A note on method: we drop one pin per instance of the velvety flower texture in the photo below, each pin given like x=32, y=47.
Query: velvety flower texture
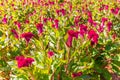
x=15, y=33
x=27, y=36
x=39, y=27
x=24, y=62
x=93, y=36
x=50, y=54
x=74, y=75
x=71, y=35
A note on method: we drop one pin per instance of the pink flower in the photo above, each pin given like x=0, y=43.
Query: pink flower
x=4, y=20
x=50, y=54
x=93, y=36
x=39, y=27
x=15, y=33
x=27, y=21
x=115, y=11
x=78, y=74
x=71, y=34
x=109, y=25
x=18, y=24
x=24, y=62
x=61, y=11
x=83, y=29
x=76, y=20
x=56, y=23
x=27, y=36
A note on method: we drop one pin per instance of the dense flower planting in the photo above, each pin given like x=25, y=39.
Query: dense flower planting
x=59, y=39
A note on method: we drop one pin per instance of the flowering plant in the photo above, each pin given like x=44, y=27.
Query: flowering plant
x=59, y=39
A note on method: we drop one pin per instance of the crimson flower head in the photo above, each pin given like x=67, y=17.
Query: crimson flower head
x=39, y=27
x=4, y=20
x=50, y=54
x=109, y=25
x=18, y=24
x=15, y=33
x=104, y=19
x=56, y=23
x=93, y=36
x=83, y=29
x=24, y=62
x=115, y=11
x=27, y=36
x=71, y=35
x=78, y=74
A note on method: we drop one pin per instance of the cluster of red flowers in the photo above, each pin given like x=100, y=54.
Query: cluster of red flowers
x=24, y=62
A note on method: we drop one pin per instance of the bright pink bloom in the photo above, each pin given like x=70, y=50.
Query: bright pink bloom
x=115, y=11
x=109, y=25
x=4, y=20
x=27, y=36
x=24, y=62
x=61, y=11
x=18, y=24
x=15, y=33
x=56, y=23
x=76, y=20
x=50, y=54
x=71, y=34
x=27, y=21
x=39, y=27
x=78, y=74
x=93, y=36
x=83, y=29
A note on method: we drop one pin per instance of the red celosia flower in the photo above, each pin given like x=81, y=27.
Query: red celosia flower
x=61, y=11
x=78, y=74
x=27, y=36
x=4, y=20
x=23, y=62
x=39, y=27
x=115, y=11
x=15, y=33
x=71, y=34
x=56, y=23
x=76, y=20
x=18, y=24
x=109, y=25
x=93, y=36
x=83, y=29
x=50, y=54
x=27, y=21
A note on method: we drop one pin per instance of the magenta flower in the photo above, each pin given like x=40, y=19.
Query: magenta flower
x=4, y=20
x=71, y=34
x=78, y=74
x=24, y=62
x=115, y=11
x=61, y=12
x=15, y=33
x=83, y=29
x=39, y=27
x=50, y=54
x=56, y=23
x=27, y=36
x=93, y=36
x=76, y=20
x=18, y=24
x=109, y=25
